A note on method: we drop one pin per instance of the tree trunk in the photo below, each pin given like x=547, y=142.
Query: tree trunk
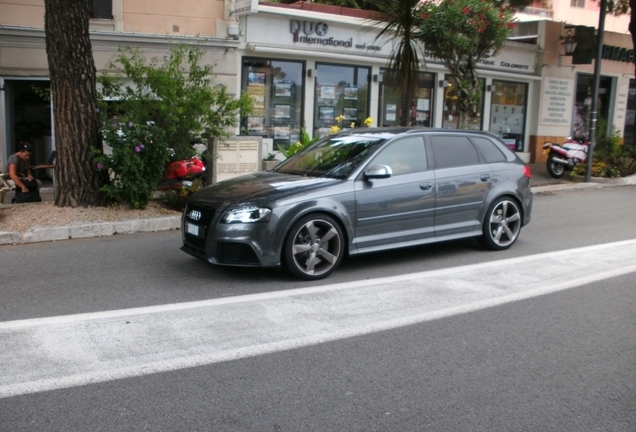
x=74, y=98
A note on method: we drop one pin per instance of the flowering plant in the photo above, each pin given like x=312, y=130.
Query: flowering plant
x=299, y=145
x=461, y=33
x=135, y=162
x=340, y=119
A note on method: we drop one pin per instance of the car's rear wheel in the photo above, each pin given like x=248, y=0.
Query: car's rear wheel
x=502, y=224
x=314, y=247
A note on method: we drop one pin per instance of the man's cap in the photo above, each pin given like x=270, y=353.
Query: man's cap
x=25, y=146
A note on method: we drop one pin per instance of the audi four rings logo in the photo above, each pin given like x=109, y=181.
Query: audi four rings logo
x=194, y=215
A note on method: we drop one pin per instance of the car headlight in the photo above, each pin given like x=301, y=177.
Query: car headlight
x=246, y=215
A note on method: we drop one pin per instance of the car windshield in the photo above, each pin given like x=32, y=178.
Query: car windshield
x=333, y=157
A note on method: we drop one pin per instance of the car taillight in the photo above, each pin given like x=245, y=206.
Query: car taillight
x=526, y=171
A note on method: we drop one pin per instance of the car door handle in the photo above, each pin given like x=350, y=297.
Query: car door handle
x=426, y=186
x=485, y=177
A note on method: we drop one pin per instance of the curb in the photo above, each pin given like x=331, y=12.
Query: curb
x=578, y=182
x=100, y=229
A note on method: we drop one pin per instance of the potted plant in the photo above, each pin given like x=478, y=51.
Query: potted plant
x=270, y=162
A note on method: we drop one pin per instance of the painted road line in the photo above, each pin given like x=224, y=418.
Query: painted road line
x=60, y=352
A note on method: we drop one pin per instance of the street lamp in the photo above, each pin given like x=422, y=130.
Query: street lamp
x=568, y=42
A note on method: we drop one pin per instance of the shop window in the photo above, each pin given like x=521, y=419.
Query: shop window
x=508, y=112
x=340, y=91
x=390, y=109
x=583, y=103
x=451, y=113
x=102, y=9
x=630, y=115
x=276, y=88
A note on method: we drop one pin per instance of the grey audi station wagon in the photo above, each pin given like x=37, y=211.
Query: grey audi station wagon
x=361, y=191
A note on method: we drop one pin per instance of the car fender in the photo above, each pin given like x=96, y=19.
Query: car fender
x=503, y=183
x=340, y=210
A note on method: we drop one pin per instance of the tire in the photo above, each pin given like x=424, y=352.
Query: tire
x=502, y=224
x=314, y=247
x=554, y=169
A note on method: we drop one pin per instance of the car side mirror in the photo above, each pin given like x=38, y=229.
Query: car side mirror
x=378, y=172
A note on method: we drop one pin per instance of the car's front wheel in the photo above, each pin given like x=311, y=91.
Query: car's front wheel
x=314, y=247
x=502, y=224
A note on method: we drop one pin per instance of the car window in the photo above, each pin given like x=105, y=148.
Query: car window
x=453, y=150
x=489, y=150
x=334, y=156
x=404, y=156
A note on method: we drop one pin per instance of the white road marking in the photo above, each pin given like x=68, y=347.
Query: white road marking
x=59, y=352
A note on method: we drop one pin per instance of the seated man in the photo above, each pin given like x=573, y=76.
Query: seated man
x=19, y=167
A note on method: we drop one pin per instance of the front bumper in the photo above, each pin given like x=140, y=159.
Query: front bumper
x=239, y=244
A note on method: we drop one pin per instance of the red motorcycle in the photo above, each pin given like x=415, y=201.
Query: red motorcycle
x=564, y=157
x=181, y=173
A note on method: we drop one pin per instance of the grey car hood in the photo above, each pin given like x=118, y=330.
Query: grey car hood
x=257, y=187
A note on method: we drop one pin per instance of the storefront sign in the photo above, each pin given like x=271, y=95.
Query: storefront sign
x=244, y=7
x=303, y=32
x=507, y=60
x=618, y=54
x=621, y=102
x=557, y=101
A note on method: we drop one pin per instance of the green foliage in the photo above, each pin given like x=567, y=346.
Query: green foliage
x=607, y=144
x=599, y=169
x=160, y=105
x=178, y=94
x=400, y=25
x=299, y=145
x=43, y=93
x=135, y=163
x=178, y=199
x=611, y=158
x=461, y=33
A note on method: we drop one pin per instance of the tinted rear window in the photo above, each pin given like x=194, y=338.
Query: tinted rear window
x=453, y=150
x=489, y=150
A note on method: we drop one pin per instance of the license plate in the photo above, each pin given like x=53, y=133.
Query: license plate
x=192, y=229
x=546, y=151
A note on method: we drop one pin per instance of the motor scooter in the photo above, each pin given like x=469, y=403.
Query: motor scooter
x=564, y=157
x=181, y=173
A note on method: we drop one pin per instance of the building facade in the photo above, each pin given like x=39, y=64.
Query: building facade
x=308, y=65
x=150, y=26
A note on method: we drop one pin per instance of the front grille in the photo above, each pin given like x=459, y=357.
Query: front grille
x=206, y=215
x=204, y=221
x=236, y=253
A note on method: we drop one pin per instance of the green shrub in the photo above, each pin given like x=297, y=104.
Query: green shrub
x=136, y=162
x=299, y=145
x=600, y=168
x=178, y=199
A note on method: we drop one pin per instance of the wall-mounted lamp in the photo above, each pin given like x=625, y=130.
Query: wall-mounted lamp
x=310, y=73
x=491, y=88
x=569, y=42
x=375, y=78
x=443, y=83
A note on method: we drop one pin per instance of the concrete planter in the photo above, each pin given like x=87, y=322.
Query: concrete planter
x=268, y=165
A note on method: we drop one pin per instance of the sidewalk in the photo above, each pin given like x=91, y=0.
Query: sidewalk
x=541, y=182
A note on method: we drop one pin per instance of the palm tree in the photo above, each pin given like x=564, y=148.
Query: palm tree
x=400, y=24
